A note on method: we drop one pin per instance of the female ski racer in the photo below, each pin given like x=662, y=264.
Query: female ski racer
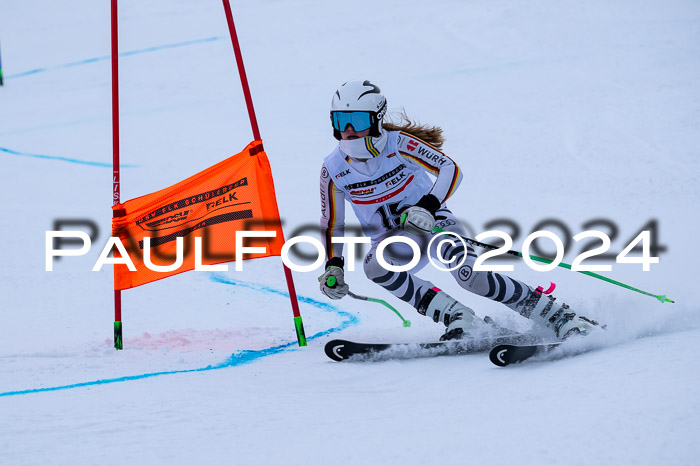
x=382, y=170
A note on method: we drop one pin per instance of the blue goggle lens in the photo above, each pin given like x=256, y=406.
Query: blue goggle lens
x=360, y=121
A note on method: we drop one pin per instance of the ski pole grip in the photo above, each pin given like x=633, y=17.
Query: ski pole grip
x=331, y=282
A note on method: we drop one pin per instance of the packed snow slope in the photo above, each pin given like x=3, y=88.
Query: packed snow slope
x=583, y=113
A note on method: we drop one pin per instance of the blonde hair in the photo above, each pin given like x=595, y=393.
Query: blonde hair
x=430, y=134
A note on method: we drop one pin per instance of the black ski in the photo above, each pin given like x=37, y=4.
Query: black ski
x=505, y=354
x=340, y=350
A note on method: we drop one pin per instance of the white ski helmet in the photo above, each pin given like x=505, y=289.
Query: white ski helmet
x=359, y=103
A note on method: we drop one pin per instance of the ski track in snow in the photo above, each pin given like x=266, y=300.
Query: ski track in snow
x=89, y=61
x=64, y=159
x=236, y=359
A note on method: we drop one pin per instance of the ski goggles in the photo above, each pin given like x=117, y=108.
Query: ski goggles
x=360, y=121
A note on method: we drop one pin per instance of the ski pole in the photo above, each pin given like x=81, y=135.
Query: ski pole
x=332, y=281
x=406, y=323
x=661, y=298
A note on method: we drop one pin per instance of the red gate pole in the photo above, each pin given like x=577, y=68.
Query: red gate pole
x=301, y=337
x=116, y=193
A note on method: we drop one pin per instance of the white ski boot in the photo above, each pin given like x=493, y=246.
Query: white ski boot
x=458, y=318
x=559, y=317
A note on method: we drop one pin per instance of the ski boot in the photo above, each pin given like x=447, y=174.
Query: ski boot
x=460, y=321
x=564, y=322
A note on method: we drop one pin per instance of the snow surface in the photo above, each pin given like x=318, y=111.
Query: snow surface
x=575, y=110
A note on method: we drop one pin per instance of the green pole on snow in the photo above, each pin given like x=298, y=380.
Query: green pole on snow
x=332, y=282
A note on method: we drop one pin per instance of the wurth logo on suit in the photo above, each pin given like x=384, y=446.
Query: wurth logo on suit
x=421, y=150
x=431, y=156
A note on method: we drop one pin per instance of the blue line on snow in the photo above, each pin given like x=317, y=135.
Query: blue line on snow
x=108, y=57
x=63, y=159
x=94, y=60
x=236, y=359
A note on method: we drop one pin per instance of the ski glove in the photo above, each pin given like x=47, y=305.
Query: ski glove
x=333, y=280
x=419, y=219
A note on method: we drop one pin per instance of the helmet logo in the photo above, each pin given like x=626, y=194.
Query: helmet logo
x=381, y=110
x=374, y=90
